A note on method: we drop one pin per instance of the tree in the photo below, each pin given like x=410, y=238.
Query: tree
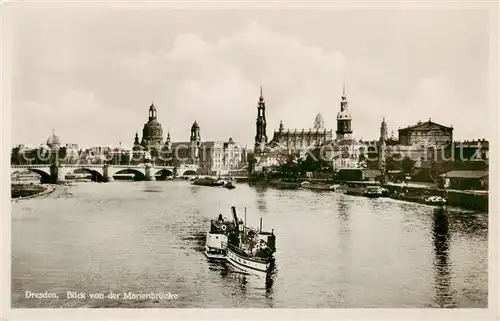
x=392, y=164
x=408, y=164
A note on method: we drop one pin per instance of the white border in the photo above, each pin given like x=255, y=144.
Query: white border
x=279, y=314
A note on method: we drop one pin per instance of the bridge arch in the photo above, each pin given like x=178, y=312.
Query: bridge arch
x=44, y=176
x=189, y=172
x=163, y=173
x=96, y=176
x=138, y=174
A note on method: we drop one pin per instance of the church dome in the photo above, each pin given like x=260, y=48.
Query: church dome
x=53, y=141
x=152, y=129
x=344, y=114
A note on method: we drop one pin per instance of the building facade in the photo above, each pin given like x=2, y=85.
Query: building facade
x=299, y=141
x=425, y=135
x=213, y=157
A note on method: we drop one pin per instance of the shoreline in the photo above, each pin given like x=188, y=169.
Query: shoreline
x=48, y=190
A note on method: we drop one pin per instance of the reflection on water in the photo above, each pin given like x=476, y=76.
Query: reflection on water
x=261, y=198
x=333, y=250
x=442, y=272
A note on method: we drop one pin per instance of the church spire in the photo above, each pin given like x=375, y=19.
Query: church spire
x=261, y=136
x=343, y=102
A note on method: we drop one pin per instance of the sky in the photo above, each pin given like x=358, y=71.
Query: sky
x=91, y=74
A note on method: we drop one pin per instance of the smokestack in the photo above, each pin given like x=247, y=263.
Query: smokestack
x=235, y=217
x=260, y=230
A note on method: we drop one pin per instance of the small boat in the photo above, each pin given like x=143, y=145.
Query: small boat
x=229, y=185
x=248, y=250
x=435, y=200
x=208, y=181
x=372, y=191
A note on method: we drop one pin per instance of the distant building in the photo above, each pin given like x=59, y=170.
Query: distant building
x=299, y=141
x=220, y=158
x=471, y=151
x=52, y=151
x=426, y=134
x=466, y=179
x=212, y=157
x=344, y=151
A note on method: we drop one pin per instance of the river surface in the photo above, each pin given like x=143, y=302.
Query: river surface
x=333, y=250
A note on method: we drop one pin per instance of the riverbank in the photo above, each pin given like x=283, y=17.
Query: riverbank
x=25, y=191
x=414, y=192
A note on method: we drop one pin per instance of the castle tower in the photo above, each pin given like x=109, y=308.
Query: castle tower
x=261, y=136
x=195, y=142
x=344, y=130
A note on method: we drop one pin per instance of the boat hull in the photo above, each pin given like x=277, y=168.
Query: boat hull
x=214, y=255
x=246, y=264
x=372, y=195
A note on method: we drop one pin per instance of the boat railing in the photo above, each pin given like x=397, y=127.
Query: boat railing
x=242, y=253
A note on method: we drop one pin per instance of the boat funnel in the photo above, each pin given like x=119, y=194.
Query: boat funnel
x=235, y=217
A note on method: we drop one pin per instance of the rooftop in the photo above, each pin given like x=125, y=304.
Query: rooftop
x=465, y=174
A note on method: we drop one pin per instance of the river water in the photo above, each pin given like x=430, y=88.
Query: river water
x=333, y=250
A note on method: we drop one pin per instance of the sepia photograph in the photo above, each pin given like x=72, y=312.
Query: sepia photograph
x=250, y=156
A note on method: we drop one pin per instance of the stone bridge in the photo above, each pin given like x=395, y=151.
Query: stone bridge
x=105, y=173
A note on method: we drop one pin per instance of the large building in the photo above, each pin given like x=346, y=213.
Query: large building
x=426, y=134
x=52, y=151
x=212, y=157
x=342, y=151
x=299, y=141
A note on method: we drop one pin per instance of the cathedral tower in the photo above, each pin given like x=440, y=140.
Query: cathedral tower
x=382, y=146
x=261, y=136
x=344, y=130
x=195, y=142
